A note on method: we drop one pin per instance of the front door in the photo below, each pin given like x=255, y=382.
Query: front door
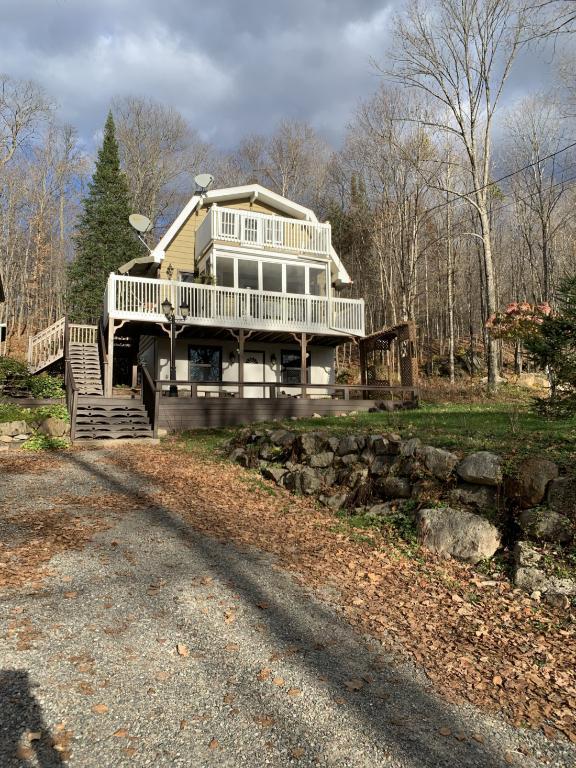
x=254, y=372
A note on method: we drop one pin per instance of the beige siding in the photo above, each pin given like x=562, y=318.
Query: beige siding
x=180, y=252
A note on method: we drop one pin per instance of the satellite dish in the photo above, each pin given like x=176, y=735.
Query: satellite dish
x=203, y=180
x=140, y=223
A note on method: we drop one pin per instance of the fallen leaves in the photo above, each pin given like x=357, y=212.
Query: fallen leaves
x=265, y=721
x=354, y=685
x=182, y=650
x=264, y=674
x=465, y=631
x=214, y=744
x=121, y=733
x=294, y=692
x=100, y=709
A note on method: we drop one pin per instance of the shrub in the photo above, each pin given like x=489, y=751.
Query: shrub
x=39, y=442
x=10, y=367
x=45, y=386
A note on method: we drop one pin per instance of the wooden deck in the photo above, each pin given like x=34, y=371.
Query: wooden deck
x=178, y=414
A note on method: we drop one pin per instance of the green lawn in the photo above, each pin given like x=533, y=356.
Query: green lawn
x=511, y=429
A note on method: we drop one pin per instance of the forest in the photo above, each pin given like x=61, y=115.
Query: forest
x=448, y=198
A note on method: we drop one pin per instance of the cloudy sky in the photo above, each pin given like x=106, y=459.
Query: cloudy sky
x=230, y=67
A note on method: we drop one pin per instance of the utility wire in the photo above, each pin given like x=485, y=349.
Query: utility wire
x=460, y=198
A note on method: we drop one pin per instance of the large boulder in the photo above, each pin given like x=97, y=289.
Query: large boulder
x=482, y=468
x=377, y=444
x=481, y=497
x=393, y=487
x=530, y=576
x=457, y=533
x=562, y=496
x=282, y=438
x=350, y=444
x=410, y=447
x=304, y=480
x=13, y=428
x=309, y=443
x=545, y=525
x=437, y=461
x=53, y=427
x=276, y=474
x=527, y=487
x=321, y=460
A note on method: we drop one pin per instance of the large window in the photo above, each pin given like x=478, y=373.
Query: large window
x=291, y=366
x=225, y=272
x=295, y=278
x=204, y=363
x=271, y=276
x=317, y=277
x=247, y=274
x=251, y=230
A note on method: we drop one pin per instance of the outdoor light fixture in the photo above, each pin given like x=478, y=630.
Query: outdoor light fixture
x=170, y=315
x=169, y=271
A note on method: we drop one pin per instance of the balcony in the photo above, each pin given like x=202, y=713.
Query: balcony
x=259, y=230
x=140, y=299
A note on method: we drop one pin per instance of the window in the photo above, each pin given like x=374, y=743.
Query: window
x=291, y=366
x=273, y=231
x=317, y=281
x=186, y=277
x=227, y=224
x=271, y=277
x=247, y=274
x=250, y=230
x=205, y=363
x=295, y=278
x=225, y=272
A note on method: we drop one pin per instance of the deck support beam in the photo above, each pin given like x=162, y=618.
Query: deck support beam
x=241, y=337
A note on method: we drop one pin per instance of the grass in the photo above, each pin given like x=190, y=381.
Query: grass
x=508, y=427
x=14, y=412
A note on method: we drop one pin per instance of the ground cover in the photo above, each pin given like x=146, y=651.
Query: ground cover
x=508, y=427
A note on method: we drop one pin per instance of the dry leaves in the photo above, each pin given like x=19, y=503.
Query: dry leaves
x=465, y=631
x=121, y=733
x=100, y=709
x=182, y=650
x=294, y=692
x=264, y=674
x=214, y=744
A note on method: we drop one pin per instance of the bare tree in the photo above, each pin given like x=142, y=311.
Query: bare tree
x=460, y=52
x=23, y=105
x=160, y=154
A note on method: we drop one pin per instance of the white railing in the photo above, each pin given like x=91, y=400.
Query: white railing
x=259, y=230
x=83, y=334
x=139, y=298
x=47, y=345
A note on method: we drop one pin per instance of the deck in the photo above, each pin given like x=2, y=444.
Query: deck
x=140, y=299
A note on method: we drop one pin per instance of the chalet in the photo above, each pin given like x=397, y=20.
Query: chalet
x=233, y=317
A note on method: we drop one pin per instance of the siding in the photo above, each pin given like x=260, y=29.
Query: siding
x=178, y=414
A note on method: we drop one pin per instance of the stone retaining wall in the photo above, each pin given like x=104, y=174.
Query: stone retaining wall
x=464, y=507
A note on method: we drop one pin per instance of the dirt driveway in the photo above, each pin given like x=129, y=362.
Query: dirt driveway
x=150, y=642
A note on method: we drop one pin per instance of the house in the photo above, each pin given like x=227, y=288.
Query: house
x=234, y=316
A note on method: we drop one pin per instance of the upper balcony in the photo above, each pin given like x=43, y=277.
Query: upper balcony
x=140, y=299
x=263, y=231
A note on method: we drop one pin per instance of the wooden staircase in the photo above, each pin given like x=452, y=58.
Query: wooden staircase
x=92, y=416
x=110, y=417
x=85, y=362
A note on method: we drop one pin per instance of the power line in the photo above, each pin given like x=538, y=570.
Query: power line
x=460, y=198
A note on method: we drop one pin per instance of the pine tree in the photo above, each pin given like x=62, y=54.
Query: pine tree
x=104, y=240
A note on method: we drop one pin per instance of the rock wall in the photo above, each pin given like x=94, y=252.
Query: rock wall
x=465, y=507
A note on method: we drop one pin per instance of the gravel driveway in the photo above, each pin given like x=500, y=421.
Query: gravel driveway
x=157, y=646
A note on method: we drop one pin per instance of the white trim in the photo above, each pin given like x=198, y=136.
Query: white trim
x=237, y=193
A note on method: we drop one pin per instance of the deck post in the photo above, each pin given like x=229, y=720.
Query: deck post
x=241, y=362
x=303, y=368
x=110, y=366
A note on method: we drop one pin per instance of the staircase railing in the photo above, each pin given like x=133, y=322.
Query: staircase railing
x=69, y=383
x=150, y=397
x=46, y=346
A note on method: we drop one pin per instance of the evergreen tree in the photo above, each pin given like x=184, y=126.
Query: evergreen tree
x=553, y=347
x=104, y=239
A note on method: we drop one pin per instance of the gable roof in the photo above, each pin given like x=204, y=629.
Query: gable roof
x=254, y=192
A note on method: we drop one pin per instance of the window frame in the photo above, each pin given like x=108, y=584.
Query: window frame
x=214, y=348
x=284, y=368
